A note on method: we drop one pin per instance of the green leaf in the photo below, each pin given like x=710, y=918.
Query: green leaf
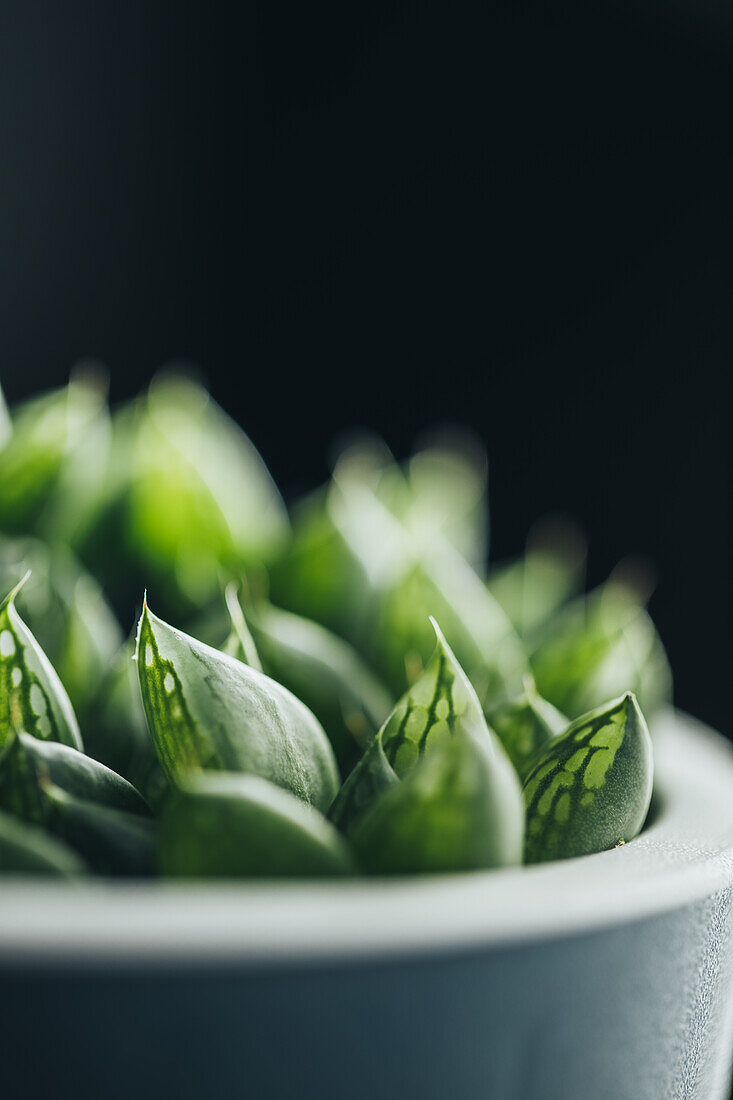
x=533, y=588
x=456, y=811
x=67, y=613
x=118, y=734
x=345, y=545
x=239, y=643
x=324, y=672
x=26, y=764
x=371, y=777
x=444, y=586
x=32, y=698
x=600, y=646
x=111, y=841
x=435, y=790
x=206, y=710
x=525, y=726
x=79, y=800
x=591, y=788
x=28, y=850
x=46, y=431
x=6, y=429
x=354, y=567
x=242, y=825
x=186, y=496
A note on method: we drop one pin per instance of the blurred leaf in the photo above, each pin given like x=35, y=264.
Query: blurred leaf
x=533, y=588
x=45, y=433
x=242, y=825
x=601, y=645
x=67, y=613
x=27, y=850
x=118, y=734
x=111, y=841
x=592, y=787
x=32, y=698
x=186, y=494
x=208, y=710
x=355, y=568
x=324, y=672
x=5, y=426
x=240, y=643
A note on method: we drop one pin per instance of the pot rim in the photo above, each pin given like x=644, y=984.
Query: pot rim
x=683, y=856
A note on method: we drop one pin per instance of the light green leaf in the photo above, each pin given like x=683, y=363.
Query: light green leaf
x=591, y=788
x=46, y=431
x=525, y=726
x=600, y=646
x=444, y=586
x=32, y=698
x=239, y=643
x=206, y=710
x=66, y=611
x=533, y=588
x=5, y=425
x=243, y=826
x=27, y=850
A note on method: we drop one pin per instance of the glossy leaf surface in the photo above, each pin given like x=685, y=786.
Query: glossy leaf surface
x=206, y=710
x=243, y=826
x=591, y=789
x=26, y=764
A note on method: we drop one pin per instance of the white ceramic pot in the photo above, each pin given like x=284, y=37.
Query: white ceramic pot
x=603, y=977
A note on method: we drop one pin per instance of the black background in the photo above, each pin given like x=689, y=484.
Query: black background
x=519, y=220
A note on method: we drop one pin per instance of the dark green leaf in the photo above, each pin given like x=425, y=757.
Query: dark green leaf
x=28, y=850
x=27, y=763
x=241, y=825
x=326, y=674
x=591, y=789
x=111, y=841
x=117, y=734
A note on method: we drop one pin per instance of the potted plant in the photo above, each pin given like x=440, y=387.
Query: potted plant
x=375, y=819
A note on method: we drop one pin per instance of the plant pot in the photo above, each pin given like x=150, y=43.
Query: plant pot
x=603, y=977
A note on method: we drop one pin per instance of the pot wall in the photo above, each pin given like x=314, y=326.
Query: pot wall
x=641, y=1012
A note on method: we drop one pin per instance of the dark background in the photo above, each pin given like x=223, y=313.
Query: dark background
x=519, y=220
